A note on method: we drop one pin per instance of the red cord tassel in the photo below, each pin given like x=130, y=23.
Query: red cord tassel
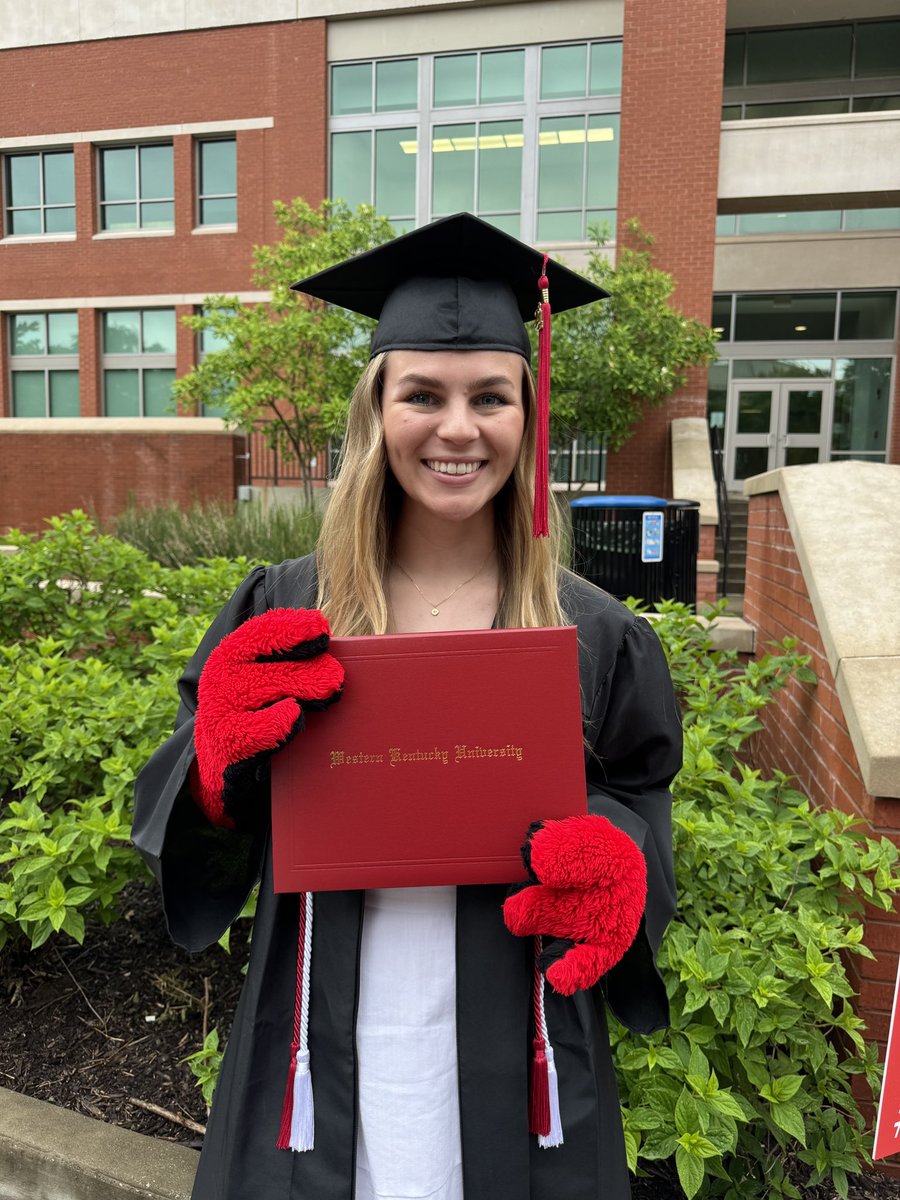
x=541, y=525
x=539, y=1099
x=287, y=1109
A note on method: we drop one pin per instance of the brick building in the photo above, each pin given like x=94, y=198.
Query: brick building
x=143, y=145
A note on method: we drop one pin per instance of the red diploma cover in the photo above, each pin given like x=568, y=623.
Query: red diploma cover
x=442, y=751
x=887, y=1126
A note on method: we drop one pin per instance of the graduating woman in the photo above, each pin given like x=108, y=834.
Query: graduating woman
x=425, y=1042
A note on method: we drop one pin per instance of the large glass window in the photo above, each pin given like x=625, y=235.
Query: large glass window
x=490, y=77
x=217, y=180
x=389, y=86
x=40, y=193
x=583, y=69
x=861, y=407
x=867, y=315
x=826, y=220
x=812, y=69
x=138, y=362
x=44, y=364
x=137, y=187
x=798, y=53
x=578, y=167
x=377, y=167
x=477, y=167
x=542, y=167
x=785, y=317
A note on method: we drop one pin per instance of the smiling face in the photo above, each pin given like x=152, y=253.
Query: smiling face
x=453, y=426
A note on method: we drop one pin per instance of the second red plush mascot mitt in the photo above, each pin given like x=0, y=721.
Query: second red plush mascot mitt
x=250, y=701
x=589, y=890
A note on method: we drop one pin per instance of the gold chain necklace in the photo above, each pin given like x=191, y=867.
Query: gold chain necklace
x=435, y=606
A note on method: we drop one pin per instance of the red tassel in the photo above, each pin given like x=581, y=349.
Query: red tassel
x=539, y=1099
x=541, y=525
x=287, y=1108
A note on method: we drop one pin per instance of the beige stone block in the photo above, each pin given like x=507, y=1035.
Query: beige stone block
x=869, y=691
x=692, y=474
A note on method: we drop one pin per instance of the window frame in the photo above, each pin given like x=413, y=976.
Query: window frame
x=849, y=88
x=140, y=361
x=529, y=111
x=102, y=205
x=200, y=195
x=42, y=207
x=44, y=363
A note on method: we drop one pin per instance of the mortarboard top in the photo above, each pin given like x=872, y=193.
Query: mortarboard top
x=457, y=284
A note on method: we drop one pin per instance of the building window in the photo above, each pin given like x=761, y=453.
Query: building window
x=487, y=77
x=44, y=364
x=812, y=69
x=138, y=362
x=825, y=220
x=208, y=341
x=137, y=187
x=526, y=137
x=578, y=175
x=389, y=86
x=40, y=193
x=581, y=70
x=217, y=179
x=377, y=167
x=806, y=317
x=477, y=168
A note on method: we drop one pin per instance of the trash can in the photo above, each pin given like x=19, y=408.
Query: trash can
x=640, y=546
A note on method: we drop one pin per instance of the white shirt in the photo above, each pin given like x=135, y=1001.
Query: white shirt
x=408, y=1143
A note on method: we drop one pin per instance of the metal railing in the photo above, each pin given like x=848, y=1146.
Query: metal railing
x=717, y=450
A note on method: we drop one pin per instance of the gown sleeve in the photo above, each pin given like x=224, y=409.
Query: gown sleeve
x=205, y=873
x=635, y=727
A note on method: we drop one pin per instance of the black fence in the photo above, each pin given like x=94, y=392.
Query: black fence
x=606, y=549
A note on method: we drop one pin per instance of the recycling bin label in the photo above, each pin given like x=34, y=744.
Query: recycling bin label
x=652, y=537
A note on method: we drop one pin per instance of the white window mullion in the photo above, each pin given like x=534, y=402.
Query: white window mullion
x=530, y=145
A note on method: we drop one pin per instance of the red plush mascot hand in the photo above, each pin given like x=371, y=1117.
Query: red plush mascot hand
x=589, y=891
x=250, y=701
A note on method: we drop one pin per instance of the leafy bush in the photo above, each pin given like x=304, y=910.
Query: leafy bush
x=177, y=537
x=750, y=1089
x=92, y=634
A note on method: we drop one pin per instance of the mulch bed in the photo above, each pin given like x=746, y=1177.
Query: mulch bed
x=95, y=1027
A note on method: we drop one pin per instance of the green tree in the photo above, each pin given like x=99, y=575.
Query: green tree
x=288, y=366
x=611, y=359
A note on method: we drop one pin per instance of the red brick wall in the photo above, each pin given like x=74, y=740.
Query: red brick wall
x=806, y=734
x=276, y=70
x=668, y=178
x=100, y=472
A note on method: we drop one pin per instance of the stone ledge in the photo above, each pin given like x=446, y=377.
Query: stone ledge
x=51, y=1153
x=842, y=519
x=107, y=425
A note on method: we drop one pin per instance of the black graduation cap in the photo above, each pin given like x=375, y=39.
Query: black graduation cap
x=457, y=284
x=461, y=284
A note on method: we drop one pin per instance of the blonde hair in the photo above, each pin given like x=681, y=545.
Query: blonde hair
x=354, y=550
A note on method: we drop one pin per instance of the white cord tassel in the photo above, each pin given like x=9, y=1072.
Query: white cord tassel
x=303, y=1113
x=555, y=1137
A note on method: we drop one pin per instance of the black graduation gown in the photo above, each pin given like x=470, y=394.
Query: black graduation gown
x=631, y=722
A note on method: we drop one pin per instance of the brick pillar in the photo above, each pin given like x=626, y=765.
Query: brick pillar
x=185, y=349
x=90, y=374
x=672, y=67
x=183, y=167
x=5, y=381
x=85, y=192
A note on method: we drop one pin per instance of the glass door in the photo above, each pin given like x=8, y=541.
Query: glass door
x=776, y=424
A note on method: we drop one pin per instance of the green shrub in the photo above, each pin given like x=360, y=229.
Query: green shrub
x=750, y=1089
x=177, y=537
x=86, y=695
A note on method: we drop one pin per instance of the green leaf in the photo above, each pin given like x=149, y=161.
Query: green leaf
x=787, y=1116
x=690, y=1171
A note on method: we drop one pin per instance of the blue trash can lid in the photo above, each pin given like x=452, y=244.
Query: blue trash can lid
x=605, y=501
